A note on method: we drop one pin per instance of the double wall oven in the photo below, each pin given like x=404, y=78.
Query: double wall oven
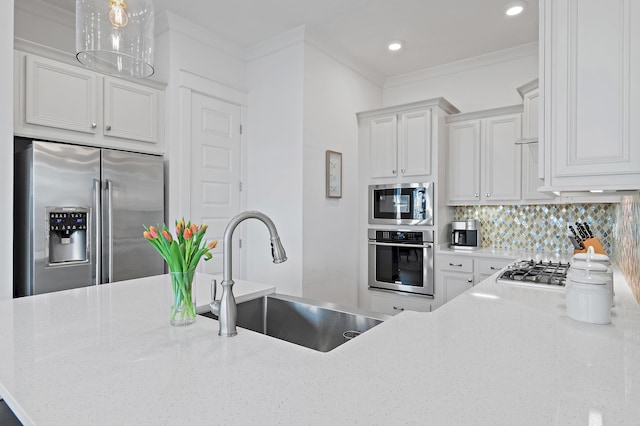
x=401, y=255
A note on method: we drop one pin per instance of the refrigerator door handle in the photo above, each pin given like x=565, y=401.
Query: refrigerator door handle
x=97, y=189
x=110, y=229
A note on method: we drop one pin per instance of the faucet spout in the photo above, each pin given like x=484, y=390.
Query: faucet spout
x=226, y=308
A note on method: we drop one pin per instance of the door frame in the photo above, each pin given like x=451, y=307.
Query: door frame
x=180, y=205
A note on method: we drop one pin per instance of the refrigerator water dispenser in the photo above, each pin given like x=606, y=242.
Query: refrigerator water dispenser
x=67, y=235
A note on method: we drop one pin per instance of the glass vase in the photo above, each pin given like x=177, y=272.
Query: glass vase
x=183, y=302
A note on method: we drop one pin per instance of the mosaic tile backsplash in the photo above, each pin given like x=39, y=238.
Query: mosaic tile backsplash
x=541, y=227
x=627, y=241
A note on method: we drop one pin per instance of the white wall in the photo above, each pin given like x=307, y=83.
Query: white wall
x=333, y=93
x=6, y=135
x=473, y=84
x=274, y=164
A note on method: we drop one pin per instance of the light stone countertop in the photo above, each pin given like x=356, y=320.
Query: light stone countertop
x=495, y=355
x=489, y=252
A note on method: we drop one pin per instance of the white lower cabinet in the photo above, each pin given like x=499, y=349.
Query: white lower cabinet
x=458, y=273
x=455, y=283
x=392, y=304
x=484, y=267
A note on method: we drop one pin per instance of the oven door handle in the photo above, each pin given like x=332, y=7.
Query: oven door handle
x=375, y=243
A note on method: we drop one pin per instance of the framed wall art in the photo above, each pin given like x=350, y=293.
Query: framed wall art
x=334, y=174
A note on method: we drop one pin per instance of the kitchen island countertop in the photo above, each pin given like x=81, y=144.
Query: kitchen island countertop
x=497, y=354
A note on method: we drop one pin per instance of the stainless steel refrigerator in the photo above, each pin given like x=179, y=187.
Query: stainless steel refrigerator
x=79, y=216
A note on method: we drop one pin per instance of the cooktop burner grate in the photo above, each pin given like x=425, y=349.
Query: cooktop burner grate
x=536, y=273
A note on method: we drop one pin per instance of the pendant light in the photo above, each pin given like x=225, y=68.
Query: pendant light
x=115, y=36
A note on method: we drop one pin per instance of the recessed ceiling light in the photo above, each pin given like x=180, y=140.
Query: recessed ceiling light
x=395, y=45
x=514, y=8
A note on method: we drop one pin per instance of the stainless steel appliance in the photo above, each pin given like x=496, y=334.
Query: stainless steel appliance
x=79, y=213
x=401, y=261
x=466, y=235
x=401, y=204
x=542, y=274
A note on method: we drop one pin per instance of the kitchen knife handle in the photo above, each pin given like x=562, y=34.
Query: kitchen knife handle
x=581, y=230
x=573, y=231
x=97, y=189
x=586, y=226
x=110, y=226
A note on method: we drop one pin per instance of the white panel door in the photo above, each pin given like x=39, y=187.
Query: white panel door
x=414, y=146
x=215, y=171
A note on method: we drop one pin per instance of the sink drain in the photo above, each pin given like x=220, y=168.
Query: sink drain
x=350, y=334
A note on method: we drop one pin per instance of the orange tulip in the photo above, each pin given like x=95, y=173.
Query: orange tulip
x=147, y=235
x=203, y=228
x=187, y=234
x=212, y=244
x=153, y=232
x=166, y=235
x=194, y=229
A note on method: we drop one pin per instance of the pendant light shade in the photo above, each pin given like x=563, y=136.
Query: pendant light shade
x=115, y=36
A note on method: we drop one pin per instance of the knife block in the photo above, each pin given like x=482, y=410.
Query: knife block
x=591, y=242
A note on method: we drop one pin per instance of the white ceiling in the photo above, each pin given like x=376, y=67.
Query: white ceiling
x=434, y=31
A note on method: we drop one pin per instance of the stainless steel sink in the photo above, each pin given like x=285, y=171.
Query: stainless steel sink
x=317, y=325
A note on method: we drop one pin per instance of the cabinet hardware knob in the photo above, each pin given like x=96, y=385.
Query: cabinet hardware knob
x=403, y=170
x=108, y=128
x=470, y=280
x=394, y=171
x=459, y=265
x=398, y=309
x=476, y=195
x=487, y=194
x=94, y=125
x=493, y=268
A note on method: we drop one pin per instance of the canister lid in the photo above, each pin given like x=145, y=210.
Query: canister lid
x=590, y=266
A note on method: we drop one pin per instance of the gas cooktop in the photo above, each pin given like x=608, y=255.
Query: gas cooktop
x=550, y=275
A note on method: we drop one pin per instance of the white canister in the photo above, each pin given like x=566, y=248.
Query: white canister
x=588, y=299
x=599, y=270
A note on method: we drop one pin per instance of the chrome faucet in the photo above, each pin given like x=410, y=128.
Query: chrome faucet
x=226, y=308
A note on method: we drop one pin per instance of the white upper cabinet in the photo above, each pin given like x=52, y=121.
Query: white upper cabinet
x=401, y=144
x=383, y=158
x=484, y=157
x=61, y=96
x=401, y=139
x=130, y=110
x=590, y=76
x=531, y=163
x=59, y=101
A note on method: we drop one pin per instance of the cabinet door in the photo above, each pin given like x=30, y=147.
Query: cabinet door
x=414, y=145
x=530, y=180
x=464, y=162
x=454, y=284
x=592, y=93
x=383, y=154
x=60, y=96
x=501, y=168
x=130, y=110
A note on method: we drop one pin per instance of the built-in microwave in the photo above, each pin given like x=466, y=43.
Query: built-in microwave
x=401, y=204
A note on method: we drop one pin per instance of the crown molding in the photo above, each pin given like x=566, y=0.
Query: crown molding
x=276, y=43
x=170, y=22
x=522, y=51
x=47, y=11
x=310, y=36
